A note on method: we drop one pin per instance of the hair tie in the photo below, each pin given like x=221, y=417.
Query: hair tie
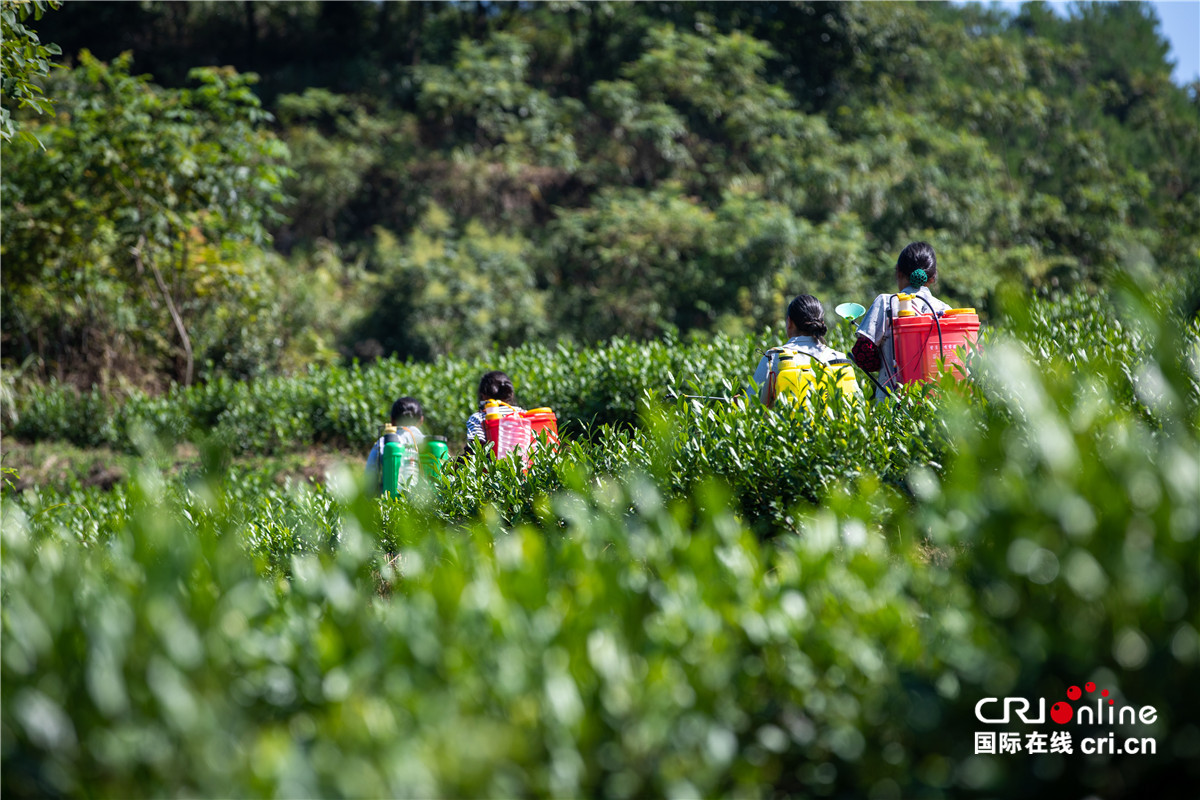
x=918, y=278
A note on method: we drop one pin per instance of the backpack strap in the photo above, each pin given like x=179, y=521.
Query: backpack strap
x=379, y=465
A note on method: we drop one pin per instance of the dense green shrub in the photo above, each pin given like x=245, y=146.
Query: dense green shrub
x=586, y=386
x=346, y=405
x=134, y=233
x=611, y=624
x=462, y=177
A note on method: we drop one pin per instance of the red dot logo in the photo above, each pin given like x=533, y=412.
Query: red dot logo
x=1073, y=693
x=1089, y=687
x=1061, y=713
x=1104, y=693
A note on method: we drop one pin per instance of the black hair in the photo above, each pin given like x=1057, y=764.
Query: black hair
x=808, y=316
x=918, y=255
x=496, y=385
x=407, y=409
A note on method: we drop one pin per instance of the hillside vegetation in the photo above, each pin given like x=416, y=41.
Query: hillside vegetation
x=333, y=180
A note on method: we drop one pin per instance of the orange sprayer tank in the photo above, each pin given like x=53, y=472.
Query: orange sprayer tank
x=507, y=429
x=544, y=424
x=915, y=340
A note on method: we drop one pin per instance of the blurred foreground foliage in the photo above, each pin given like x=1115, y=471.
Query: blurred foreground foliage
x=715, y=602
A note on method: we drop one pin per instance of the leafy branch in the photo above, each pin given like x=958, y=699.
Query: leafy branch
x=25, y=59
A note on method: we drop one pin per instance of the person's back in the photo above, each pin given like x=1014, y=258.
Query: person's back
x=805, y=326
x=493, y=385
x=874, y=351
x=406, y=417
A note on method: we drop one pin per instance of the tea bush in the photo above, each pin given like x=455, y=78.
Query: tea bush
x=336, y=405
x=346, y=405
x=715, y=602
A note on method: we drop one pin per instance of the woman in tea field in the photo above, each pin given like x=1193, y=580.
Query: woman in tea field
x=806, y=330
x=916, y=271
x=493, y=385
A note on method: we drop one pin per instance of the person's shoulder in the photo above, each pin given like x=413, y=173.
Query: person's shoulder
x=882, y=299
x=878, y=307
x=938, y=303
x=875, y=312
x=826, y=353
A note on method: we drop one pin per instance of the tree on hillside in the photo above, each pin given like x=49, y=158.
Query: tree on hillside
x=138, y=216
x=706, y=158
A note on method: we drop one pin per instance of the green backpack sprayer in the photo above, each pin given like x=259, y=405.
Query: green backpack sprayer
x=401, y=461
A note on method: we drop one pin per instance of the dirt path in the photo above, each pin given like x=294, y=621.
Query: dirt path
x=62, y=466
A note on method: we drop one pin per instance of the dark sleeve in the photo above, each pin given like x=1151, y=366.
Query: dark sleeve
x=866, y=354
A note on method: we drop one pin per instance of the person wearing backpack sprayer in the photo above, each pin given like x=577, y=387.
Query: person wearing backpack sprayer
x=874, y=351
x=806, y=329
x=494, y=385
x=394, y=461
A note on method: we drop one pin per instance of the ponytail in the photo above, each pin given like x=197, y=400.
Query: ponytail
x=918, y=263
x=808, y=316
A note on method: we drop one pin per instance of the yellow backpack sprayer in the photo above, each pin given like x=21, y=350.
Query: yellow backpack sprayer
x=795, y=374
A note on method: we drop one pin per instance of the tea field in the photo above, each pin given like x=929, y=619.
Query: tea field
x=690, y=598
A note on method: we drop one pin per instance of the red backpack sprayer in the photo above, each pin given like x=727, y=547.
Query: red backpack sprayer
x=923, y=342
